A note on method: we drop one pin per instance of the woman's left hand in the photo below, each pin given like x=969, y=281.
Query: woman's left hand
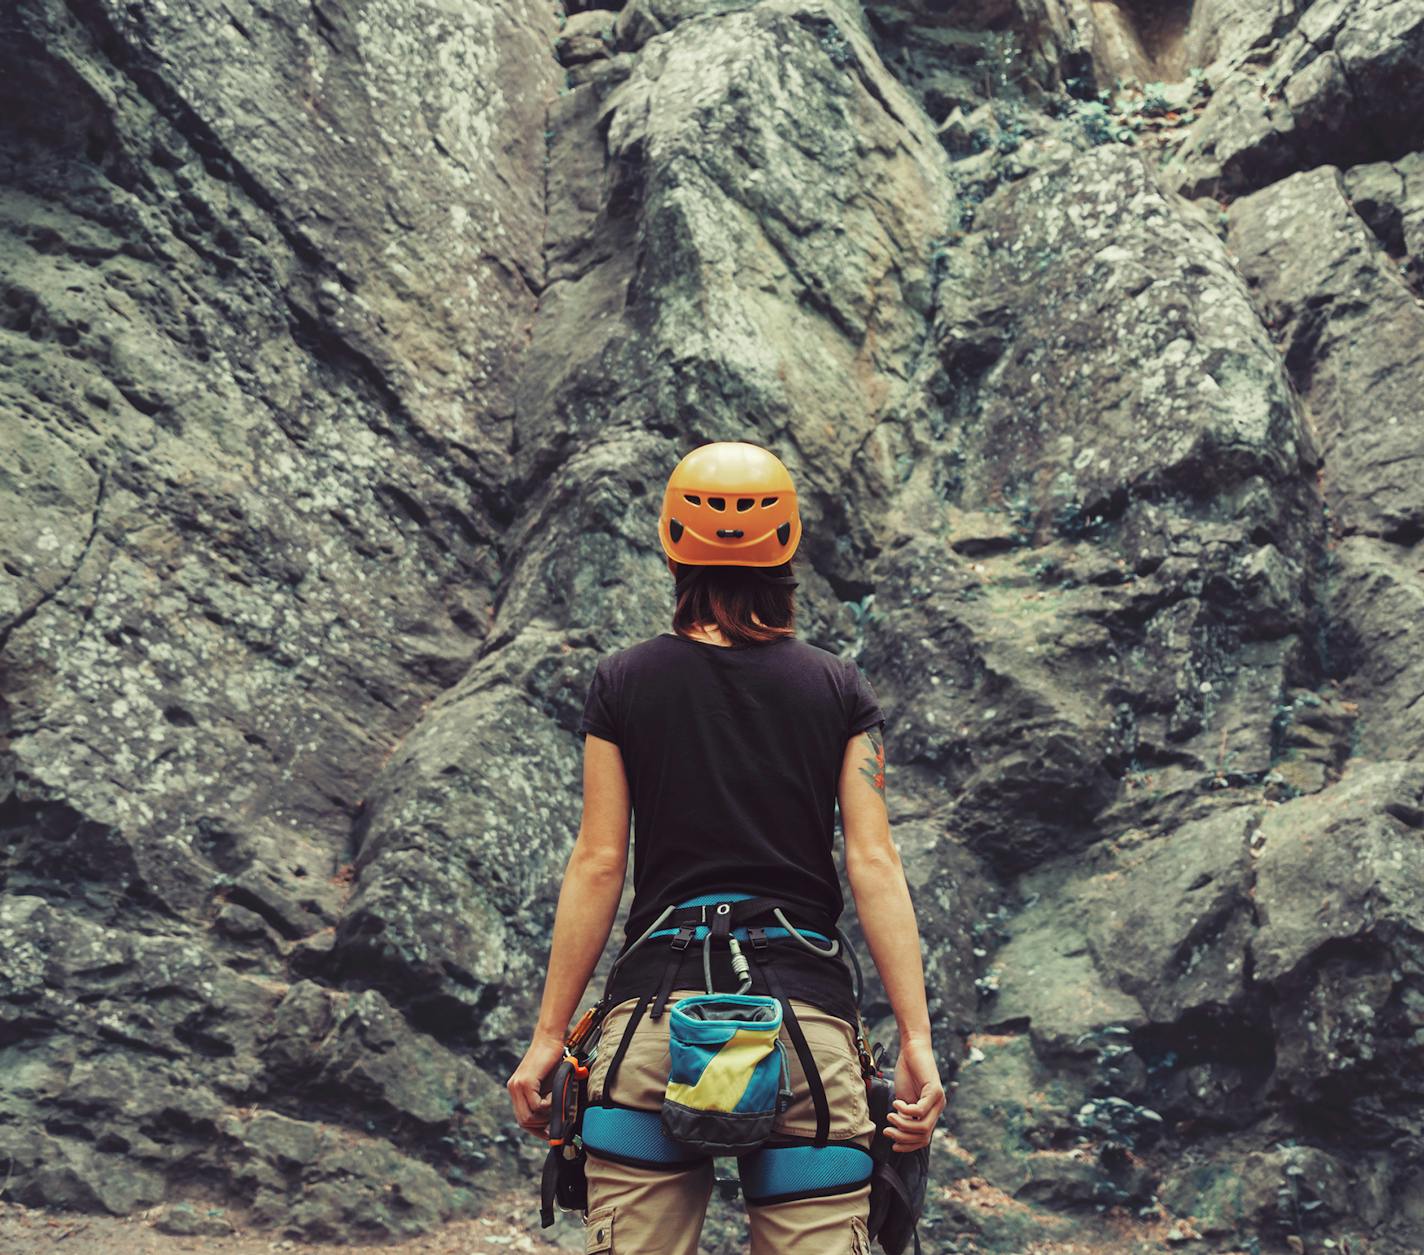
x=532, y=1108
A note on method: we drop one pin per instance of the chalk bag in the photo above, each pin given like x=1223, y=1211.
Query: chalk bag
x=728, y=1079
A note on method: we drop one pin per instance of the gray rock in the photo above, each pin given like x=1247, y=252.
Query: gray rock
x=1340, y=866
x=1004, y=1106
x=345, y=354
x=1285, y=1190
x=193, y=1220
x=314, y=1181
x=1352, y=334
x=1340, y=906
x=1376, y=641
x=1110, y=577
x=70, y=1173
x=1315, y=735
x=1168, y=920
x=1389, y=196
x=586, y=36
x=265, y=429
x=641, y=20
x=1339, y=88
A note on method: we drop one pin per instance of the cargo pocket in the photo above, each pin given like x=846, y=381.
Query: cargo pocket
x=859, y=1237
x=598, y=1227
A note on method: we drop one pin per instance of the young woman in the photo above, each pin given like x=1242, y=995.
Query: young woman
x=730, y=742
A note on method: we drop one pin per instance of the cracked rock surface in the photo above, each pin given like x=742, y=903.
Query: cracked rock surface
x=346, y=349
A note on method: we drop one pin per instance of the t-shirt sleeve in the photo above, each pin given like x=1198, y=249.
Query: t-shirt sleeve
x=600, y=708
x=865, y=709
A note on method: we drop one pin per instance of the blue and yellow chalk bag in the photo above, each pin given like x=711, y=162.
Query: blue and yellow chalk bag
x=728, y=1079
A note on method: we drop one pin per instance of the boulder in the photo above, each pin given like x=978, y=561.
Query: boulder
x=1336, y=87
x=1168, y=920
x=586, y=36
x=1290, y=1190
x=1375, y=642
x=1352, y=332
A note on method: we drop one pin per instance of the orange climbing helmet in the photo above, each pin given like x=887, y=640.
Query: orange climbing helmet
x=730, y=503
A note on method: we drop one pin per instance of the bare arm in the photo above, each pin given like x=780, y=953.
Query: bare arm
x=593, y=883
x=877, y=881
x=887, y=918
x=588, y=904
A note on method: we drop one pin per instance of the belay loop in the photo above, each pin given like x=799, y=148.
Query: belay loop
x=741, y=968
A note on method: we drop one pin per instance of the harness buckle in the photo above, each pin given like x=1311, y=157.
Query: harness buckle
x=756, y=934
x=683, y=938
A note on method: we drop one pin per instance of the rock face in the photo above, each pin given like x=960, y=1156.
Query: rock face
x=268, y=276
x=347, y=349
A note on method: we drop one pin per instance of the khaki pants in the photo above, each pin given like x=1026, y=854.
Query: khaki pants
x=659, y=1211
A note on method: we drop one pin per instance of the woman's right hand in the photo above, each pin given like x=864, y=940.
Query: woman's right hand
x=919, y=1096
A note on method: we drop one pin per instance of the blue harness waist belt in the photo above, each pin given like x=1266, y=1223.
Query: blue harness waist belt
x=776, y=1172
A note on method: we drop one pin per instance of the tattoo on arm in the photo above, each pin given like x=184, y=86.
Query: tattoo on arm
x=873, y=769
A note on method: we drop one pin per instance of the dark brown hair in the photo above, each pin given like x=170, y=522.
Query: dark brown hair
x=728, y=596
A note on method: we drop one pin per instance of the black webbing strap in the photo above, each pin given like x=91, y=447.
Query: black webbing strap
x=548, y=1186
x=721, y=922
x=623, y=1043
x=670, y=968
x=803, y=1047
x=745, y=909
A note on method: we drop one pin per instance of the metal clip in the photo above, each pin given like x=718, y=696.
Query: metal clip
x=783, y=1093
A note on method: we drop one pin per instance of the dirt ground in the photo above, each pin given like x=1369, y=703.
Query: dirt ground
x=511, y=1226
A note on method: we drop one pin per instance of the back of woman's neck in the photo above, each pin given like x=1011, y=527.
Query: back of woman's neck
x=712, y=634
x=708, y=633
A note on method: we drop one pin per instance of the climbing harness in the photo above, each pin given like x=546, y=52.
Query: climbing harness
x=729, y=1078
x=726, y=917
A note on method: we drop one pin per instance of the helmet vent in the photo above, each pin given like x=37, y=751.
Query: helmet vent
x=687, y=496
x=717, y=503
x=745, y=503
x=674, y=530
x=766, y=501
x=783, y=533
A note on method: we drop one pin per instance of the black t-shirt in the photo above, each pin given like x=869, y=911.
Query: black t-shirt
x=733, y=755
